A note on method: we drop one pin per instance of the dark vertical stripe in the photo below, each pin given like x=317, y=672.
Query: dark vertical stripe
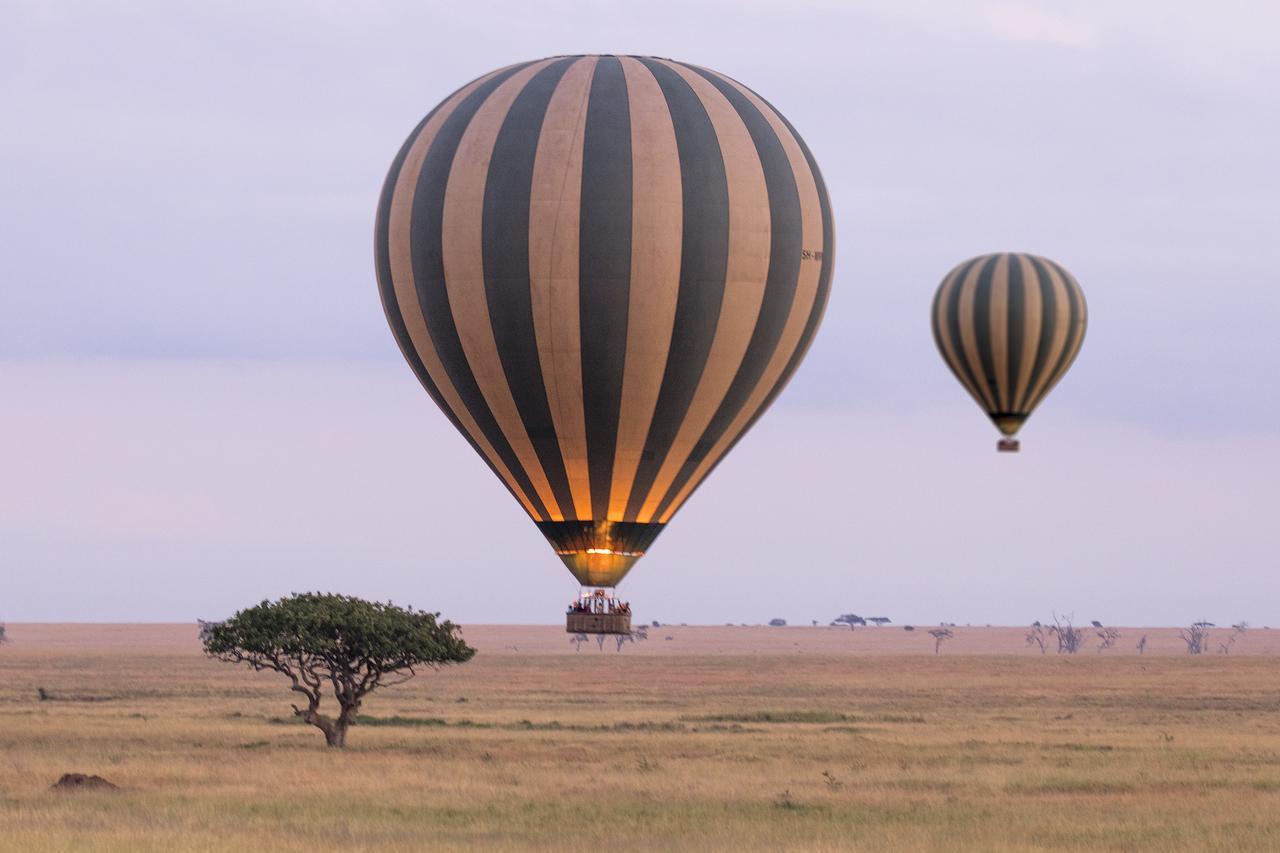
x=982, y=331
x=704, y=258
x=426, y=223
x=505, y=248
x=786, y=237
x=604, y=269
x=1049, y=316
x=1074, y=326
x=819, y=300
x=828, y=263
x=960, y=365
x=824, y=278
x=1015, y=329
x=386, y=289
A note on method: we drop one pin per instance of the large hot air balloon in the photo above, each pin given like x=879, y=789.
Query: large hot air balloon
x=1009, y=325
x=603, y=269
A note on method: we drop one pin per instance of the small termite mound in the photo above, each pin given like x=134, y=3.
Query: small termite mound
x=83, y=782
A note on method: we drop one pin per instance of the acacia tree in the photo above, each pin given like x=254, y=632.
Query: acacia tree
x=348, y=644
x=1036, y=636
x=1068, y=635
x=1237, y=631
x=1196, y=637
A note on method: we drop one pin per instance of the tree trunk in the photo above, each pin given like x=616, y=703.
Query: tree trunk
x=345, y=720
x=336, y=734
x=335, y=731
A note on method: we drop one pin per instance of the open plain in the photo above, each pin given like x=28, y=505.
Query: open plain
x=697, y=738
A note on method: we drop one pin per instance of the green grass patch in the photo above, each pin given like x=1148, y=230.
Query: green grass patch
x=819, y=717
x=519, y=726
x=1073, y=786
x=557, y=726
x=411, y=722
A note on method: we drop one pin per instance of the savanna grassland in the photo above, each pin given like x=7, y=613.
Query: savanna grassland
x=716, y=739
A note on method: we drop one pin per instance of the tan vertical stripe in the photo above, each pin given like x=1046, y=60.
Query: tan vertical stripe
x=968, y=340
x=1058, y=337
x=1032, y=318
x=657, y=211
x=401, y=262
x=801, y=306
x=554, y=206
x=748, y=268
x=998, y=319
x=464, y=273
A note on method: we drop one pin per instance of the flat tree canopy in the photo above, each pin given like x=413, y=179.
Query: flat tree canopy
x=349, y=644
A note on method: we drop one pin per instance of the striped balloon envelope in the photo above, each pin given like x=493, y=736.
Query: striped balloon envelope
x=603, y=269
x=1009, y=325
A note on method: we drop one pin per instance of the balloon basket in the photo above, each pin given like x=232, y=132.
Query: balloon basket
x=1008, y=445
x=598, y=612
x=597, y=623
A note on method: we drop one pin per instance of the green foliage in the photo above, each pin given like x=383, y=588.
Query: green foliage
x=346, y=631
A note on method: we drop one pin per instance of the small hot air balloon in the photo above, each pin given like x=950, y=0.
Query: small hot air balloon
x=603, y=269
x=1009, y=325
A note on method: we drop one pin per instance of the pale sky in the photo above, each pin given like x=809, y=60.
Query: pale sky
x=201, y=404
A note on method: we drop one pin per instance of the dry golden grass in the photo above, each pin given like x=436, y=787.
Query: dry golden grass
x=808, y=747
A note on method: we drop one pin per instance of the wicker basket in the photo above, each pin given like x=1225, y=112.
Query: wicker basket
x=598, y=623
